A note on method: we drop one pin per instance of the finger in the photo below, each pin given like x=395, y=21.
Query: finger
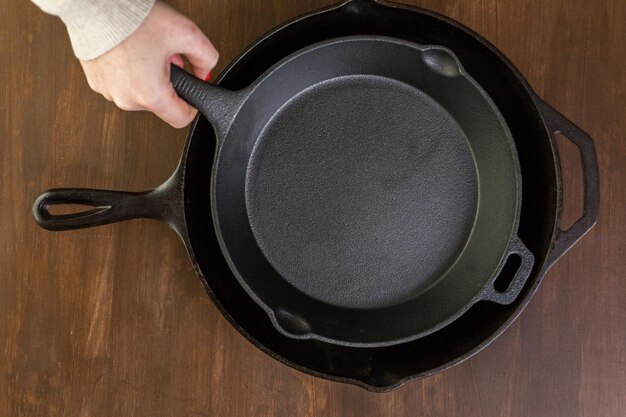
x=171, y=108
x=177, y=60
x=200, y=52
x=106, y=95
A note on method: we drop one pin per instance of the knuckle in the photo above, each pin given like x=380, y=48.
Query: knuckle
x=123, y=103
x=203, y=40
x=92, y=84
x=190, y=29
x=151, y=99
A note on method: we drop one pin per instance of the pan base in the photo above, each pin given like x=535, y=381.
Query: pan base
x=362, y=192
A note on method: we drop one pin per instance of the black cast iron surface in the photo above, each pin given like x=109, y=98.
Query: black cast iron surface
x=381, y=368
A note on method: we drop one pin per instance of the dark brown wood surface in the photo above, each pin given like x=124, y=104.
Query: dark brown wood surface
x=112, y=321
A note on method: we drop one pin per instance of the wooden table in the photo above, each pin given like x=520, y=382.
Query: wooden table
x=112, y=321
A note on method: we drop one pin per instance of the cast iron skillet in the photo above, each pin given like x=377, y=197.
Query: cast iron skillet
x=532, y=123
x=346, y=190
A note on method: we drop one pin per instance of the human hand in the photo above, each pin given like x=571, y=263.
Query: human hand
x=135, y=74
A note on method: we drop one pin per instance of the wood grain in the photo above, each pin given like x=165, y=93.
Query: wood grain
x=113, y=321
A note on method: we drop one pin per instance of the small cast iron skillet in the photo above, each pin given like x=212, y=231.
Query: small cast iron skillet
x=366, y=190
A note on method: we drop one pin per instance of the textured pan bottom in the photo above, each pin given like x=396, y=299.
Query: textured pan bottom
x=362, y=191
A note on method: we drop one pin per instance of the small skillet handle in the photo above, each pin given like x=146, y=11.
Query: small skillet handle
x=565, y=239
x=519, y=279
x=217, y=104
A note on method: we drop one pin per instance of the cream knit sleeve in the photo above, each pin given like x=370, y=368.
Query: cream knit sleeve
x=95, y=26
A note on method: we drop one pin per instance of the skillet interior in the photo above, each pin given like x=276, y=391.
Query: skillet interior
x=381, y=368
x=361, y=222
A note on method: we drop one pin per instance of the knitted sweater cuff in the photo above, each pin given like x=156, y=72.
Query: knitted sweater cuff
x=96, y=26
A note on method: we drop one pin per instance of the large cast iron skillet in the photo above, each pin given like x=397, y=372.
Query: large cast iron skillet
x=532, y=124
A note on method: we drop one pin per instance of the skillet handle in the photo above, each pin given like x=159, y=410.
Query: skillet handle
x=565, y=239
x=509, y=294
x=105, y=207
x=163, y=203
x=217, y=104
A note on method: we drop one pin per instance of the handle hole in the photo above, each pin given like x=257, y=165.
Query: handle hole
x=501, y=284
x=68, y=209
x=572, y=174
